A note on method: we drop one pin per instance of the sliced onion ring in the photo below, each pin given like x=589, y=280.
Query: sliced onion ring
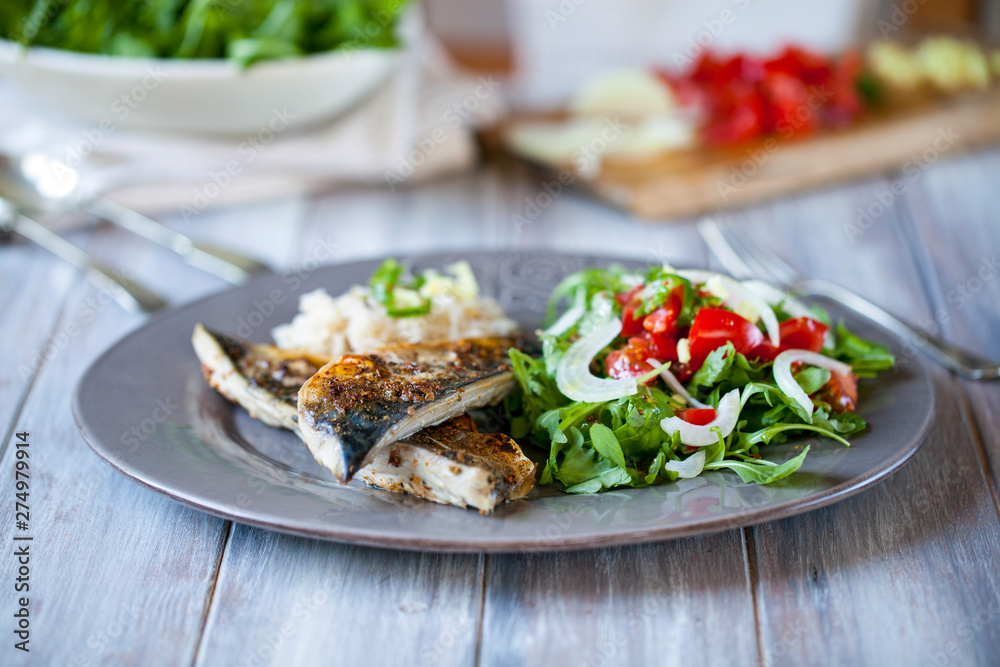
x=786, y=381
x=676, y=385
x=572, y=314
x=738, y=293
x=693, y=435
x=573, y=376
x=689, y=467
x=788, y=303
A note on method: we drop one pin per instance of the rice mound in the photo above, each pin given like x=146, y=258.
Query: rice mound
x=355, y=323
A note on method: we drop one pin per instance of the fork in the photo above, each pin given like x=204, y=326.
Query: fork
x=744, y=256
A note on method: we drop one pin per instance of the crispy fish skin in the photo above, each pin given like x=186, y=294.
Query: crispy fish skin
x=450, y=463
x=454, y=465
x=264, y=379
x=360, y=402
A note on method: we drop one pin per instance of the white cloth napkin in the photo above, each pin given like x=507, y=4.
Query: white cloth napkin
x=418, y=125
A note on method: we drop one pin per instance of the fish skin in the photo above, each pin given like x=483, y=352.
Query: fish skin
x=264, y=379
x=359, y=402
x=451, y=463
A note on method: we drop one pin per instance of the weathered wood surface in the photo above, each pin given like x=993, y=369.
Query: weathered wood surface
x=900, y=574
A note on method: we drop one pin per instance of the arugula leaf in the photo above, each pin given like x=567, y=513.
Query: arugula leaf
x=812, y=379
x=606, y=444
x=760, y=473
x=716, y=367
x=865, y=357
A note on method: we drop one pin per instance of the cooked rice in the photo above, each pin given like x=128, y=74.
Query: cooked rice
x=355, y=323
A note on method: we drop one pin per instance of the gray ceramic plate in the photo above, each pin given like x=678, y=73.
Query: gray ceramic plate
x=145, y=409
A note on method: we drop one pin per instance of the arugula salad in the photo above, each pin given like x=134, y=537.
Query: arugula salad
x=647, y=377
x=244, y=31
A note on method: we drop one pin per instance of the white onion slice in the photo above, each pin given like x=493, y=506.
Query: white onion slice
x=572, y=314
x=693, y=435
x=788, y=303
x=573, y=376
x=739, y=294
x=786, y=381
x=689, y=467
x=777, y=297
x=676, y=385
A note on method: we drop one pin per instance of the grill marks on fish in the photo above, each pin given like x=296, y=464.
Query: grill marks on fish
x=450, y=463
x=357, y=403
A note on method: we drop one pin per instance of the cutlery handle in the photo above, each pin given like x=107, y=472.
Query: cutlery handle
x=966, y=364
x=131, y=295
x=231, y=266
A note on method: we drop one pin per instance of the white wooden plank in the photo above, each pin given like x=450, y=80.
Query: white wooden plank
x=120, y=575
x=284, y=600
x=954, y=210
x=685, y=602
x=894, y=575
x=34, y=285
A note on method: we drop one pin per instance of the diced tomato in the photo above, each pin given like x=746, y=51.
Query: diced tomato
x=697, y=416
x=844, y=103
x=712, y=327
x=664, y=318
x=630, y=360
x=811, y=68
x=800, y=333
x=738, y=115
x=791, y=112
x=663, y=347
x=631, y=325
x=625, y=297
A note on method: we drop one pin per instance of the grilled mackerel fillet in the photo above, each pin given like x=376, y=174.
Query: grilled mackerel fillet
x=358, y=403
x=450, y=463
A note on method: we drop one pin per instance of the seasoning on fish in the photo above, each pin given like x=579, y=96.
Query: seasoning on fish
x=360, y=402
x=450, y=463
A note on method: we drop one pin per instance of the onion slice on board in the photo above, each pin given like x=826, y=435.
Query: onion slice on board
x=573, y=376
x=676, y=385
x=786, y=381
x=692, y=435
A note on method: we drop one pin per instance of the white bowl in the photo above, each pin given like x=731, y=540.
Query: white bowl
x=197, y=95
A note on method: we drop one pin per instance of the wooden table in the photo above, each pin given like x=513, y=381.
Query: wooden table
x=907, y=573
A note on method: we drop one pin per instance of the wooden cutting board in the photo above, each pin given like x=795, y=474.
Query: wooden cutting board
x=689, y=182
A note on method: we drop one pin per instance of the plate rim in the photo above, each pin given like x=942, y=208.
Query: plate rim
x=626, y=536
